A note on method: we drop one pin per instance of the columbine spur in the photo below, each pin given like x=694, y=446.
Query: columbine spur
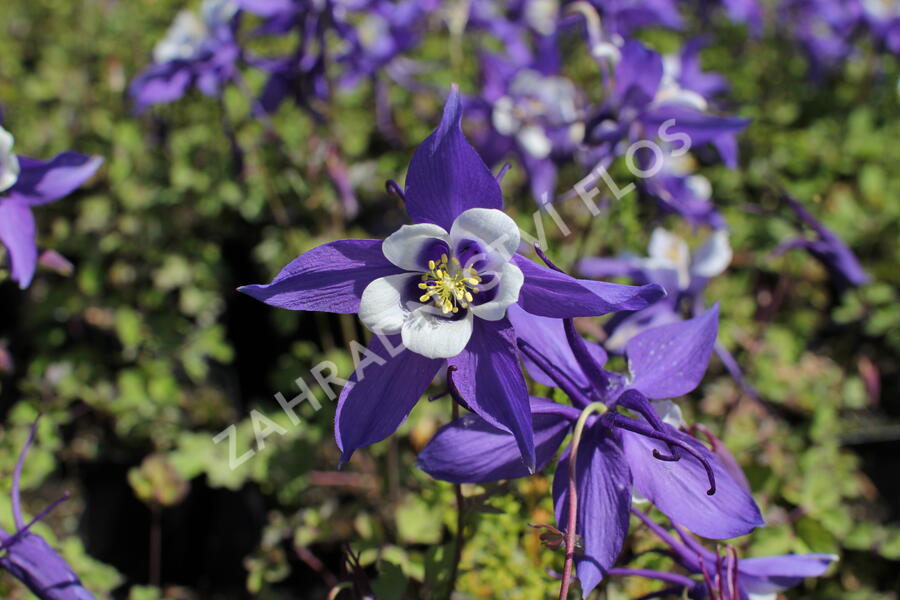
x=442, y=287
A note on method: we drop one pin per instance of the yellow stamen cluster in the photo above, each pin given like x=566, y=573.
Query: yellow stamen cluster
x=449, y=285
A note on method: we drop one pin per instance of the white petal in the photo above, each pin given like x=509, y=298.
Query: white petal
x=762, y=596
x=714, y=256
x=404, y=247
x=503, y=118
x=669, y=412
x=493, y=229
x=217, y=12
x=430, y=333
x=510, y=282
x=535, y=141
x=383, y=308
x=699, y=186
x=668, y=251
x=9, y=164
x=183, y=40
x=674, y=94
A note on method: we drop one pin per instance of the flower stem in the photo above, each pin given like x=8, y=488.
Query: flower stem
x=594, y=407
x=460, y=522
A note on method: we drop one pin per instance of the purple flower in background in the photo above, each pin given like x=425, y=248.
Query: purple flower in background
x=29, y=558
x=825, y=28
x=624, y=17
x=197, y=50
x=726, y=577
x=883, y=20
x=531, y=111
x=442, y=287
x=372, y=34
x=645, y=97
x=617, y=453
x=26, y=183
x=385, y=30
x=828, y=248
x=670, y=264
x=748, y=12
x=684, y=277
x=658, y=110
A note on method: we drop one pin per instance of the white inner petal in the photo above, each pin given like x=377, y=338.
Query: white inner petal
x=510, y=280
x=493, y=229
x=383, y=307
x=668, y=251
x=405, y=246
x=217, y=12
x=535, y=141
x=431, y=334
x=9, y=164
x=669, y=412
x=503, y=116
x=714, y=256
x=183, y=40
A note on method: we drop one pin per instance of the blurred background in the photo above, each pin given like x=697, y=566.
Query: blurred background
x=146, y=351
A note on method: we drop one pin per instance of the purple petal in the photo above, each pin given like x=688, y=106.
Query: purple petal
x=604, y=268
x=160, y=84
x=604, y=498
x=328, y=278
x=701, y=127
x=469, y=450
x=378, y=398
x=46, y=181
x=670, y=360
x=637, y=75
x=625, y=326
x=32, y=561
x=490, y=381
x=693, y=77
x=549, y=293
x=679, y=488
x=446, y=176
x=267, y=8
x=549, y=337
x=18, y=235
x=772, y=574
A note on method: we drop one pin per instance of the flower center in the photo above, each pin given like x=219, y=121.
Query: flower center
x=449, y=285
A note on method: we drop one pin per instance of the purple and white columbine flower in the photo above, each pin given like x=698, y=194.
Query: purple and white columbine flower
x=726, y=577
x=618, y=454
x=531, y=110
x=371, y=32
x=437, y=294
x=197, y=50
x=684, y=277
x=29, y=558
x=26, y=183
x=669, y=264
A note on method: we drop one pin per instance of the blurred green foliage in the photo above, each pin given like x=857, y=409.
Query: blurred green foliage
x=146, y=352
